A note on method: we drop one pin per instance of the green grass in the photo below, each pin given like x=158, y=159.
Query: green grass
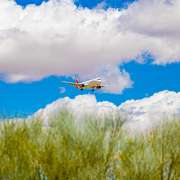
x=94, y=150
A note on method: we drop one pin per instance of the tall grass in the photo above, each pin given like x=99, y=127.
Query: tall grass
x=28, y=150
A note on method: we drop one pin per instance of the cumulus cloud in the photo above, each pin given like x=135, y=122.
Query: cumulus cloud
x=57, y=38
x=140, y=114
x=157, y=21
x=113, y=79
x=80, y=107
x=151, y=111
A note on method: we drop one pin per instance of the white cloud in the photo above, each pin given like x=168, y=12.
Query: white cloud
x=81, y=106
x=141, y=114
x=157, y=22
x=115, y=80
x=57, y=38
x=150, y=111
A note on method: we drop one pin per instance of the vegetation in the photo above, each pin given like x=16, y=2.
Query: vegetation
x=68, y=151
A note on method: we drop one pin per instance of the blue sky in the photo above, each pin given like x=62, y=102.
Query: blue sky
x=84, y=3
x=148, y=78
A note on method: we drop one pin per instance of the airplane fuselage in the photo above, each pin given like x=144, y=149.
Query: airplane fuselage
x=91, y=84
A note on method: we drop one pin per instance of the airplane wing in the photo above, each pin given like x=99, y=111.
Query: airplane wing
x=74, y=84
x=70, y=83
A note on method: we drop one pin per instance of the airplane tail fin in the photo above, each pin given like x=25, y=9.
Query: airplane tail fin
x=76, y=83
x=76, y=80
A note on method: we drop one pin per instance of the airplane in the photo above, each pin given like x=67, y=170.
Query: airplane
x=90, y=84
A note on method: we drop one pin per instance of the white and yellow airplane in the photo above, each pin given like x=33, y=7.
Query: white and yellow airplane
x=90, y=84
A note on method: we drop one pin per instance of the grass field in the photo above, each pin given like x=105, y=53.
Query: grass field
x=101, y=151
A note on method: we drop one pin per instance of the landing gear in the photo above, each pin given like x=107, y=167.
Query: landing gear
x=98, y=87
